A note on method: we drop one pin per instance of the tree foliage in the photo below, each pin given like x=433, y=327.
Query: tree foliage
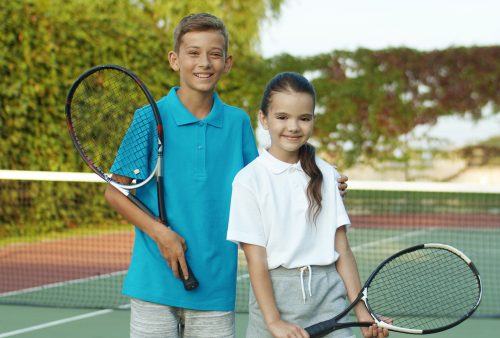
x=371, y=100
x=46, y=44
x=368, y=101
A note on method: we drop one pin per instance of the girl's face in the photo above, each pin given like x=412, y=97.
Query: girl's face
x=290, y=122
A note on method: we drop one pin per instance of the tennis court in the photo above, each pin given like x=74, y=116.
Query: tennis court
x=68, y=284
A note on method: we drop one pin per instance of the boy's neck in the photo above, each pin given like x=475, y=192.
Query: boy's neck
x=198, y=104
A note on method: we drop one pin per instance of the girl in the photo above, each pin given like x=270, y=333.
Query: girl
x=288, y=217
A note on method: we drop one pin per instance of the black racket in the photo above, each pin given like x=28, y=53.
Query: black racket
x=116, y=127
x=423, y=289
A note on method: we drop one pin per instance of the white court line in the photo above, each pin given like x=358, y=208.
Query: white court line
x=391, y=239
x=61, y=321
x=371, y=244
x=55, y=323
x=54, y=285
x=102, y=312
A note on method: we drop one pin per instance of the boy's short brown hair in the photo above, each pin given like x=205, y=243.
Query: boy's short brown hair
x=198, y=23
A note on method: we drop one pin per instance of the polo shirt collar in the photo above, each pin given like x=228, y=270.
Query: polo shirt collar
x=275, y=165
x=182, y=116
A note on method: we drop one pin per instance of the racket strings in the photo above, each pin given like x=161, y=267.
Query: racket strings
x=114, y=125
x=424, y=289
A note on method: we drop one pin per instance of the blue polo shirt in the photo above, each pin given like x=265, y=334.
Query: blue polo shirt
x=201, y=158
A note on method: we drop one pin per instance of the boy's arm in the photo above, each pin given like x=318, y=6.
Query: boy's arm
x=348, y=270
x=262, y=287
x=171, y=245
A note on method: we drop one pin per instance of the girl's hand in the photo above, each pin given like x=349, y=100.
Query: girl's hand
x=283, y=329
x=374, y=332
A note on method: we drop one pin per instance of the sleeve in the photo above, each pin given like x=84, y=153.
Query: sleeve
x=249, y=146
x=341, y=215
x=138, y=152
x=245, y=222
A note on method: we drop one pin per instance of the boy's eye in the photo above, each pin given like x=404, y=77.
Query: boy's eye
x=306, y=118
x=281, y=117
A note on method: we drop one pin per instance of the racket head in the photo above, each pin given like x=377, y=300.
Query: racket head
x=115, y=125
x=423, y=289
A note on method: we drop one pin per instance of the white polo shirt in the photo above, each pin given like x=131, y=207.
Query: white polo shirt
x=269, y=208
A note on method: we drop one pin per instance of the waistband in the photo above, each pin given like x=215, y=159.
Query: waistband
x=317, y=270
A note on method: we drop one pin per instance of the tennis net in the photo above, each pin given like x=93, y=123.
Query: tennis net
x=62, y=246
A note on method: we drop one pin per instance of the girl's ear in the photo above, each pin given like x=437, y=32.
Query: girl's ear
x=173, y=60
x=263, y=120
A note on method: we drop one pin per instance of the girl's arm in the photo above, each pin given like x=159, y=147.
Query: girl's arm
x=171, y=245
x=348, y=270
x=262, y=287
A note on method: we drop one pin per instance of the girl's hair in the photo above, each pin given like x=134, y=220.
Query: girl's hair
x=295, y=83
x=200, y=22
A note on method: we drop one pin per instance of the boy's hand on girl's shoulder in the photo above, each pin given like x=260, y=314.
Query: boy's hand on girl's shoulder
x=342, y=185
x=172, y=247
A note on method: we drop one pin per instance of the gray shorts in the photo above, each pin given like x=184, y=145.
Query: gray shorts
x=297, y=305
x=150, y=320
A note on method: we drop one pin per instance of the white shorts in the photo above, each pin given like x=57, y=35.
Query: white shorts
x=150, y=320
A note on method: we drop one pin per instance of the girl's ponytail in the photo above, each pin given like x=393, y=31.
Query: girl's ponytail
x=307, y=158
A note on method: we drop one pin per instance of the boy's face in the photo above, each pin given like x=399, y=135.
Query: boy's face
x=200, y=60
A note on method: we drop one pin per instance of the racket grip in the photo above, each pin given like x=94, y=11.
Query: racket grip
x=191, y=283
x=321, y=329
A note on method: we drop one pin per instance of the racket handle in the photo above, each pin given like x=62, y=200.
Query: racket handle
x=191, y=283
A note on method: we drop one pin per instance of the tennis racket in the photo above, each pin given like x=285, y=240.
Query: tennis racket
x=423, y=289
x=116, y=127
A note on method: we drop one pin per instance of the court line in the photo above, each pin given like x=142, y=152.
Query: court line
x=54, y=285
x=106, y=311
x=370, y=244
x=61, y=321
x=391, y=239
x=55, y=323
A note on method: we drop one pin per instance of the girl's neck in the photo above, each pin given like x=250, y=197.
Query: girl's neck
x=284, y=156
x=198, y=104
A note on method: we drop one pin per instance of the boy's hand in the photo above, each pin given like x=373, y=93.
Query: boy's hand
x=343, y=185
x=283, y=329
x=172, y=248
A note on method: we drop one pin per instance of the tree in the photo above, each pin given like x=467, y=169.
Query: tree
x=369, y=101
x=45, y=45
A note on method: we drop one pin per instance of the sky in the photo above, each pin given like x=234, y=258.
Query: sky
x=310, y=27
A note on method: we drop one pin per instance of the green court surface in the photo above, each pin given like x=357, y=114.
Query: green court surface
x=70, y=284
x=30, y=322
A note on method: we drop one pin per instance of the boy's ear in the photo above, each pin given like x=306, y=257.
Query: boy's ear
x=173, y=60
x=263, y=120
x=228, y=64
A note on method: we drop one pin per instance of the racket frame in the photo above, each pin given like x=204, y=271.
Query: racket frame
x=332, y=324
x=192, y=282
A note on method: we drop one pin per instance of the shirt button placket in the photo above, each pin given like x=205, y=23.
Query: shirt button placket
x=201, y=148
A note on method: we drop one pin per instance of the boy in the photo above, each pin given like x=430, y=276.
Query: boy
x=206, y=143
